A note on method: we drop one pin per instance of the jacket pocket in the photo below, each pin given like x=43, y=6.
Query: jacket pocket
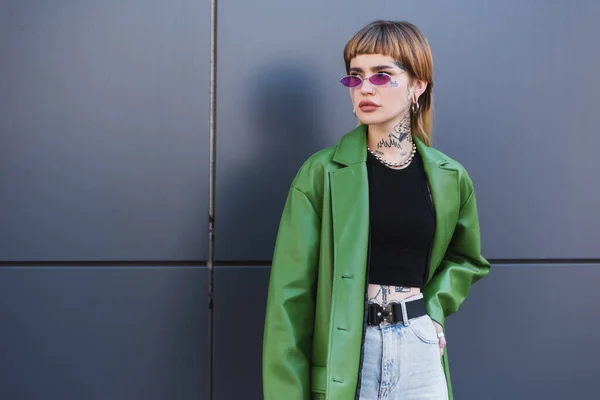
x=319, y=380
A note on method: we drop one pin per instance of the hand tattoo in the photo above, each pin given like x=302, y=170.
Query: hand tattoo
x=402, y=289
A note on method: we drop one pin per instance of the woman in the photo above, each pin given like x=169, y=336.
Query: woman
x=378, y=242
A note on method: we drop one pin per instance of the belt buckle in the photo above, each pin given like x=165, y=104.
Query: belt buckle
x=388, y=315
x=404, y=317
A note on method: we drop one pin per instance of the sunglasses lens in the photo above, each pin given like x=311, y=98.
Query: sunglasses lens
x=380, y=79
x=351, y=81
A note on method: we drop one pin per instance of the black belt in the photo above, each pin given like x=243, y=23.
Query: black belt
x=392, y=312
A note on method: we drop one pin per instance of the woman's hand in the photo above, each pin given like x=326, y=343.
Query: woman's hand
x=440, y=330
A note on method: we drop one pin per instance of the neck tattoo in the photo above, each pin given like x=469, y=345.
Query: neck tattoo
x=396, y=139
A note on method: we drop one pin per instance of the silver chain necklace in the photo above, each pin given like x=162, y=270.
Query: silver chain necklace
x=391, y=164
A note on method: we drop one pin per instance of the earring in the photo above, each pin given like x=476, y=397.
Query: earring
x=414, y=107
x=354, y=112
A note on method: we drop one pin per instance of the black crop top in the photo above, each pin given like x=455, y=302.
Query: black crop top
x=402, y=223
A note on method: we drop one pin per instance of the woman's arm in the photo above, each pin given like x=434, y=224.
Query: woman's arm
x=289, y=318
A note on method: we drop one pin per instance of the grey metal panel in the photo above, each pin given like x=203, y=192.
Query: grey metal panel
x=240, y=300
x=524, y=332
x=511, y=104
x=528, y=332
x=104, y=130
x=120, y=333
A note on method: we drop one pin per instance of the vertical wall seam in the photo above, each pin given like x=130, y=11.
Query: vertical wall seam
x=212, y=188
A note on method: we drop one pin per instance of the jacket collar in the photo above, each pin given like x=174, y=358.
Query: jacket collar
x=352, y=149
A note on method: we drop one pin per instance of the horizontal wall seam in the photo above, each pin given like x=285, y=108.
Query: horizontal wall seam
x=263, y=263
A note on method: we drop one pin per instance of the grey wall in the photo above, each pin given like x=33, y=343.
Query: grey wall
x=103, y=199
x=104, y=186
x=83, y=332
x=104, y=121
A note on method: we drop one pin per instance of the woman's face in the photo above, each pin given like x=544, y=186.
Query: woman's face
x=383, y=104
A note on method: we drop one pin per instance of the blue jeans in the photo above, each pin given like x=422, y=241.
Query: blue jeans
x=403, y=362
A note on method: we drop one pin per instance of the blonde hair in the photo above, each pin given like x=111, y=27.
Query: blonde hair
x=405, y=43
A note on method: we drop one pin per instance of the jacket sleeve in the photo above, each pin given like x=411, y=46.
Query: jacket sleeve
x=461, y=266
x=289, y=321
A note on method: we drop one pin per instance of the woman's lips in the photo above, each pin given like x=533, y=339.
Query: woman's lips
x=368, y=106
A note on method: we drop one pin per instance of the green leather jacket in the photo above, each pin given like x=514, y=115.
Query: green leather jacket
x=316, y=303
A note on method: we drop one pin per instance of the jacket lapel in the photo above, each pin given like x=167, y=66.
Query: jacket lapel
x=350, y=220
x=443, y=183
x=350, y=201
